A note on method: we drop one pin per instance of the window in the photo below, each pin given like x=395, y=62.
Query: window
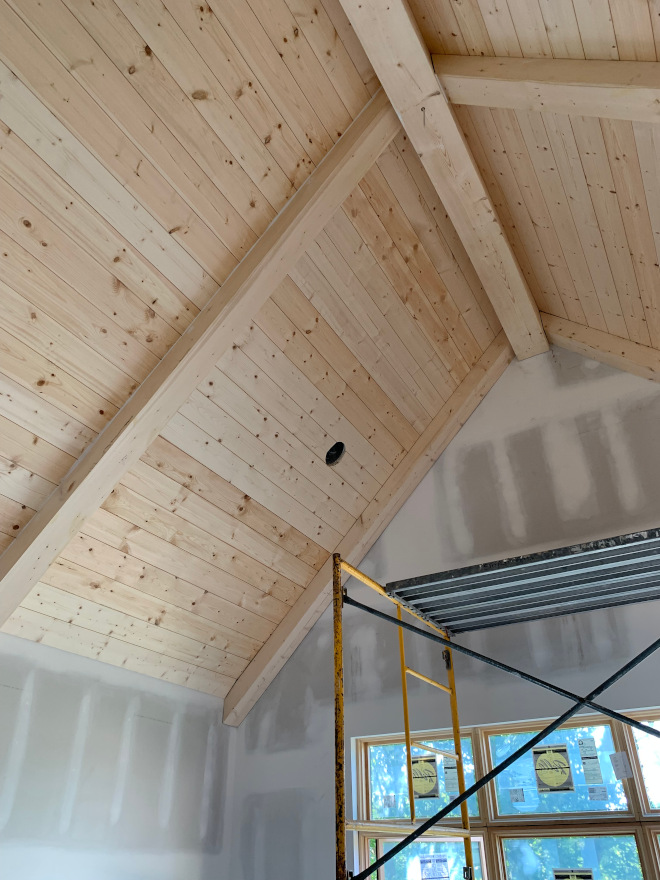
x=558, y=812
x=389, y=779
x=649, y=759
x=605, y=857
x=582, y=782
x=431, y=858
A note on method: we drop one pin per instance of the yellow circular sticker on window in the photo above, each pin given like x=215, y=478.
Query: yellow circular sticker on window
x=553, y=769
x=425, y=777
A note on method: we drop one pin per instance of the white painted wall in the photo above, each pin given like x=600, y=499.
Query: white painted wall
x=106, y=774
x=562, y=450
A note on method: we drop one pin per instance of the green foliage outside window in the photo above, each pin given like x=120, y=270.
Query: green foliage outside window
x=521, y=775
x=389, y=780
x=535, y=858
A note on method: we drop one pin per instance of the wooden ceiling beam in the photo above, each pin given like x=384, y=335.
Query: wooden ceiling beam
x=137, y=424
x=394, y=45
x=367, y=528
x=604, y=347
x=611, y=89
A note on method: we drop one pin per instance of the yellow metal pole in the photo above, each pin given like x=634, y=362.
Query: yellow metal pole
x=460, y=772
x=406, y=719
x=340, y=783
x=432, y=681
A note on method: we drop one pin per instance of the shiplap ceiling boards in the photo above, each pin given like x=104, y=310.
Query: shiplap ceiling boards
x=164, y=415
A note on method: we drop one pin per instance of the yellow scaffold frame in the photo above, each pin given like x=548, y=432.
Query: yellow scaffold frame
x=341, y=824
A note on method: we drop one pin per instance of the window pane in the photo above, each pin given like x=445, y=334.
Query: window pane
x=584, y=781
x=388, y=779
x=536, y=858
x=648, y=748
x=413, y=863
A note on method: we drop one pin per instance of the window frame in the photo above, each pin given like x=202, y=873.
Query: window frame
x=639, y=820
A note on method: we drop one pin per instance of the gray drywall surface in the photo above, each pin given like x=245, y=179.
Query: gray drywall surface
x=106, y=774
x=562, y=450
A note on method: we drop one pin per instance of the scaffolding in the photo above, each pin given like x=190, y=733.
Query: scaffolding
x=413, y=829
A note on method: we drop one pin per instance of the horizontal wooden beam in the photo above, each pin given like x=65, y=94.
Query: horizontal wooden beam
x=612, y=350
x=368, y=528
x=390, y=37
x=611, y=89
x=193, y=356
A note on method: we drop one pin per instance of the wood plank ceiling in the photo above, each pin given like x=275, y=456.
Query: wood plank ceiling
x=144, y=147
x=579, y=197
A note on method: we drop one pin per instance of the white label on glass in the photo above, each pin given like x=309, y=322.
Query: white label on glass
x=621, y=765
x=451, y=775
x=573, y=874
x=590, y=762
x=598, y=793
x=517, y=795
x=434, y=867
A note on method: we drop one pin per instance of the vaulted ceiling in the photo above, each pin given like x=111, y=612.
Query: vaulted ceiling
x=146, y=150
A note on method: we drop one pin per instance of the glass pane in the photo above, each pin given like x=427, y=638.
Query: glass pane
x=648, y=748
x=608, y=858
x=414, y=862
x=570, y=773
x=388, y=779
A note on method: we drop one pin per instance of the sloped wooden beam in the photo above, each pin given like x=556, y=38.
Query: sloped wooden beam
x=604, y=347
x=368, y=528
x=610, y=89
x=193, y=356
x=390, y=36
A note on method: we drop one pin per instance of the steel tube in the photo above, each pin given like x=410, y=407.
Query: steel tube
x=340, y=784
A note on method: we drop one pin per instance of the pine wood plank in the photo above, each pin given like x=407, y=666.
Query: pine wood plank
x=345, y=304
x=210, y=234
x=42, y=418
x=195, y=478
x=268, y=357
x=348, y=486
x=245, y=607
x=401, y=60
x=633, y=30
x=32, y=452
x=257, y=456
x=626, y=173
x=624, y=354
x=347, y=262
x=137, y=424
x=569, y=165
x=154, y=485
x=36, y=125
x=593, y=154
x=594, y=19
x=610, y=89
x=214, y=455
x=420, y=216
x=34, y=180
x=501, y=31
x=21, y=485
x=357, y=542
x=85, y=610
x=45, y=379
x=216, y=48
x=293, y=303
x=512, y=210
x=70, y=637
x=110, y=28
x=121, y=581
x=445, y=226
x=530, y=28
x=280, y=330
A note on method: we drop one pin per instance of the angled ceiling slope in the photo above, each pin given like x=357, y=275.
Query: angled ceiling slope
x=147, y=149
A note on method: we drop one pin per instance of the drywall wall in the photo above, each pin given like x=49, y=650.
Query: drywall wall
x=562, y=450
x=106, y=774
